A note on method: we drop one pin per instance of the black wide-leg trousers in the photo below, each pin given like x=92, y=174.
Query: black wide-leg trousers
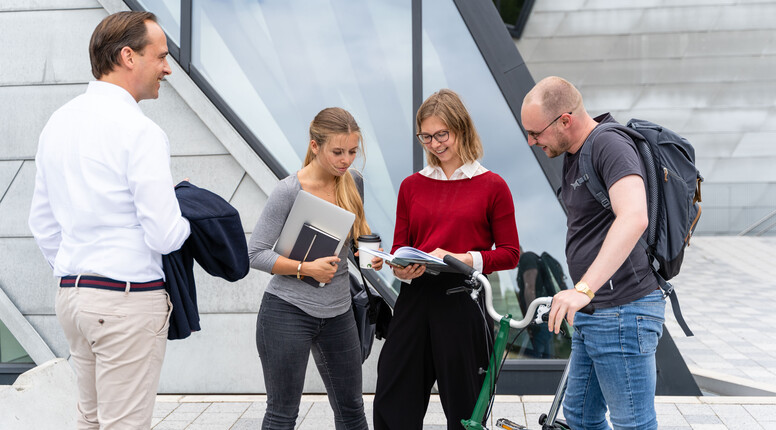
x=434, y=336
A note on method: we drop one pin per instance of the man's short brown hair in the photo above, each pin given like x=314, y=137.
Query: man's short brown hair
x=114, y=33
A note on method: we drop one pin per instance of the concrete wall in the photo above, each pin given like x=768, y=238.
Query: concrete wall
x=41, y=398
x=45, y=64
x=704, y=68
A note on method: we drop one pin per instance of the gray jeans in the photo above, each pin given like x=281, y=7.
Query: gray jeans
x=285, y=335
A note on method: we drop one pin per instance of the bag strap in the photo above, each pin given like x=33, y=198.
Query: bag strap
x=358, y=178
x=590, y=176
x=371, y=310
x=670, y=292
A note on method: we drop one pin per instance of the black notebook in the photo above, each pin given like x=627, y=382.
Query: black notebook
x=311, y=244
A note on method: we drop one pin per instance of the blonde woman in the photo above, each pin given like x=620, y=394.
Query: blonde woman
x=296, y=317
x=453, y=206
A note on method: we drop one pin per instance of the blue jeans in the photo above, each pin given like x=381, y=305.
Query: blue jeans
x=285, y=335
x=613, y=364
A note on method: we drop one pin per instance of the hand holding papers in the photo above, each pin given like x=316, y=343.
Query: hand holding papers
x=407, y=255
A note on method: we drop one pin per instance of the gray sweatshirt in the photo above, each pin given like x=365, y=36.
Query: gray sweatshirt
x=325, y=302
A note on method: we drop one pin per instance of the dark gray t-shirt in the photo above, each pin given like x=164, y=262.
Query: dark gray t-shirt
x=614, y=156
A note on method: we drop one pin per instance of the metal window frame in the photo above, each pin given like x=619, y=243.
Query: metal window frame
x=516, y=29
x=9, y=372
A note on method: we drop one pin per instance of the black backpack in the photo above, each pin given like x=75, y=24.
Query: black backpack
x=673, y=196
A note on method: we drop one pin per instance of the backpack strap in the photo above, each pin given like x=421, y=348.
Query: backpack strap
x=670, y=292
x=590, y=176
x=358, y=178
x=594, y=184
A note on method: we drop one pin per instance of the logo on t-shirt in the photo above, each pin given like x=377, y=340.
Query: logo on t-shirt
x=577, y=183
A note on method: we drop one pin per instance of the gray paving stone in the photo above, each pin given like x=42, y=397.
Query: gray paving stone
x=316, y=425
x=695, y=409
x=672, y=420
x=183, y=416
x=247, y=424
x=239, y=407
x=434, y=418
x=171, y=425
x=319, y=409
x=741, y=423
x=209, y=426
x=216, y=419
x=702, y=419
x=192, y=407
x=667, y=409
x=730, y=411
x=511, y=411
x=256, y=410
x=162, y=409
x=762, y=412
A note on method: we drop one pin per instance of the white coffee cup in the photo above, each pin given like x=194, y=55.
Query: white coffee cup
x=371, y=241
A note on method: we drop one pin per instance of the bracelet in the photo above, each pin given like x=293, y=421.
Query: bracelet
x=298, y=271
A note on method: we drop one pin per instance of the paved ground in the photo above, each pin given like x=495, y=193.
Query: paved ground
x=245, y=412
x=727, y=290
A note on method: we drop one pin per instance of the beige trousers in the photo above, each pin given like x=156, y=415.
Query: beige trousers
x=117, y=344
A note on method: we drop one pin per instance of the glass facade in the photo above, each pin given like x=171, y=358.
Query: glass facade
x=276, y=63
x=168, y=13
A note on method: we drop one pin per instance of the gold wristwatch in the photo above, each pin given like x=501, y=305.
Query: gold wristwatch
x=583, y=288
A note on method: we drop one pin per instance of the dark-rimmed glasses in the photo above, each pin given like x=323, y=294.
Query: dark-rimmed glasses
x=440, y=136
x=535, y=135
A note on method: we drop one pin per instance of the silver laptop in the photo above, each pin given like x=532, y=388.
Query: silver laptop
x=317, y=212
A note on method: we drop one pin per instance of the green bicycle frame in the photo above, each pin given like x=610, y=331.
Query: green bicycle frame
x=483, y=401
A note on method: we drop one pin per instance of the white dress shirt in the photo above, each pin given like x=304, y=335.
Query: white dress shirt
x=467, y=171
x=104, y=200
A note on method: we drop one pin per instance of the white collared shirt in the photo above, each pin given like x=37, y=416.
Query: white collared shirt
x=104, y=200
x=467, y=171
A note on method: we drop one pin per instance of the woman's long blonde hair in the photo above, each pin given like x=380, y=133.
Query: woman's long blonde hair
x=328, y=123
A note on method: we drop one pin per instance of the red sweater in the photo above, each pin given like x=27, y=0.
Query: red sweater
x=459, y=216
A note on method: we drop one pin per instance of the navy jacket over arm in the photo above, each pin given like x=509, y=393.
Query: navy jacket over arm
x=218, y=244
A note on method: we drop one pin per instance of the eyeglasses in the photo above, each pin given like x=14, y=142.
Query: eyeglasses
x=440, y=136
x=535, y=135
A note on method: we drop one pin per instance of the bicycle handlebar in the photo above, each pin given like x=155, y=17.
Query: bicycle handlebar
x=459, y=265
x=532, y=307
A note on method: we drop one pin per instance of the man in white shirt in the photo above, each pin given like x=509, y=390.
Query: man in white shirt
x=103, y=213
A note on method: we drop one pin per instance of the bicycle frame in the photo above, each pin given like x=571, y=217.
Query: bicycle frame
x=540, y=307
x=499, y=346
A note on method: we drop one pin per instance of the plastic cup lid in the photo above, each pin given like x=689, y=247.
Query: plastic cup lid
x=369, y=238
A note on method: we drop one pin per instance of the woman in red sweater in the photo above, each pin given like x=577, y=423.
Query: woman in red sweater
x=453, y=206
